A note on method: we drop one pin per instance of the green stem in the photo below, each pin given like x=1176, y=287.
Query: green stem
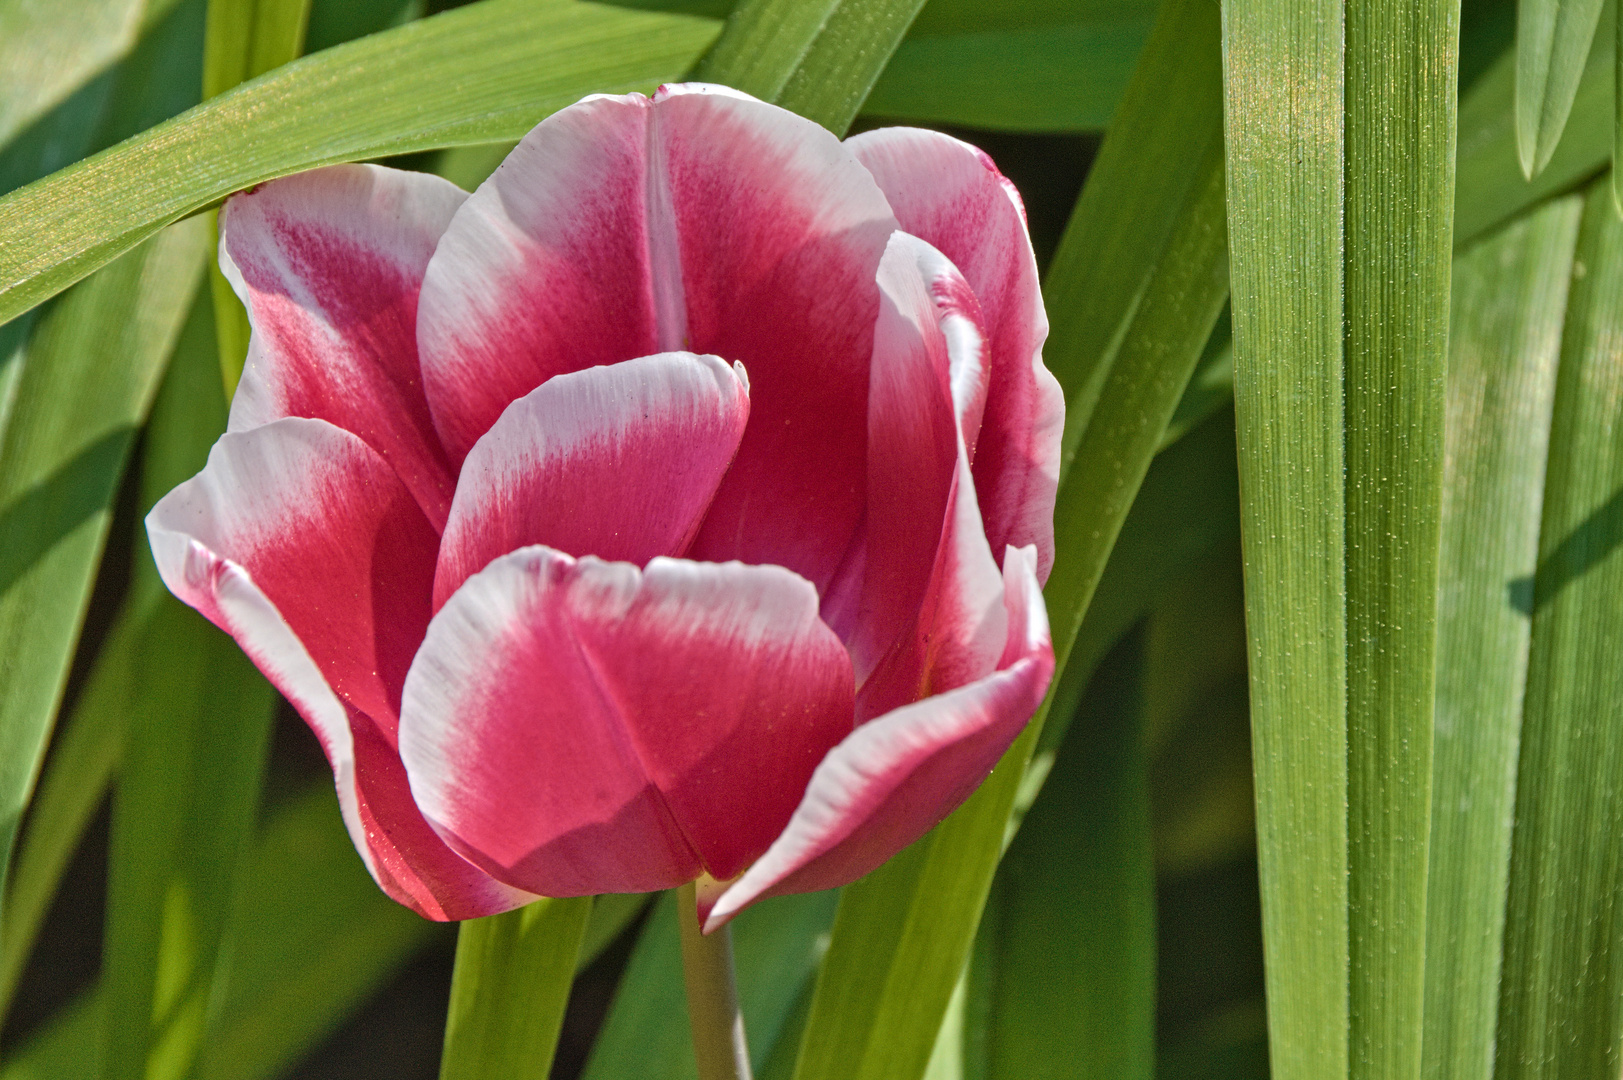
x=719, y=1045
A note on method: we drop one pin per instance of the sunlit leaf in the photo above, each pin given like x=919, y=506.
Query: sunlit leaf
x=1553, y=38
x=1510, y=293
x=1286, y=151
x=1559, y=1010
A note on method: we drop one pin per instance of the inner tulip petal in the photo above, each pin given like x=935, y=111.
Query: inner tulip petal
x=950, y=194
x=619, y=462
x=577, y=727
x=702, y=220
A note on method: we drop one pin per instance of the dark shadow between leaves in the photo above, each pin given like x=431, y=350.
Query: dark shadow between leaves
x=38, y=519
x=1594, y=539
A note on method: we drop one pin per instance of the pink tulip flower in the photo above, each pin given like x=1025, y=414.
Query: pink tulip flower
x=674, y=507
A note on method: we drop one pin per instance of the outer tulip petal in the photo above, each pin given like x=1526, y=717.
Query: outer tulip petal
x=951, y=194
x=894, y=778
x=620, y=462
x=579, y=726
x=329, y=264
x=932, y=613
x=701, y=220
x=277, y=542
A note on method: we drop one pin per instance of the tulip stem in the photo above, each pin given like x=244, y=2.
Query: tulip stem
x=719, y=1046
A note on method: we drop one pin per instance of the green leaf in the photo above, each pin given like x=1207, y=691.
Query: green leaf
x=1510, y=294
x=247, y=38
x=1149, y=166
x=47, y=51
x=1490, y=188
x=481, y=73
x=818, y=58
x=1401, y=70
x=1553, y=38
x=1073, y=933
x=1559, y=1006
x=1061, y=78
x=198, y=731
x=311, y=939
x=1285, y=151
x=509, y=989
x=83, y=387
x=776, y=944
x=903, y=933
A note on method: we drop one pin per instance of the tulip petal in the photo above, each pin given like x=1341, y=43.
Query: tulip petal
x=329, y=264
x=700, y=220
x=932, y=611
x=950, y=194
x=578, y=726
x=300, y=542
x=620, y=462
x=896, y=777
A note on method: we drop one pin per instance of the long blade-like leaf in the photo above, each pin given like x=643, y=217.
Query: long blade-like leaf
x=1401, y=58
x=509, y=990
x=199, y=723
x=1552, y=43
x=1073, y=932
x=402, y=90
x=87, y=379
x=47, y=51
x=1284, y=73
x=1510, y=294
x=1490, y=188
x=1561, y=998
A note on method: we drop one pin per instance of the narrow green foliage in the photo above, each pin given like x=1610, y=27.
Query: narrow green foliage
x=199, y=725
x=1510, y=294
x=1490, y=188
x=1562, y=987
x=49, y=50
x=85, y=753
x=1073, y=932
x=509, y=990
x=247, y=38
x=819, y=59
x=187, y=793
x=1400, y=198
x=1552, y=43
x=1152, y=160
x=403, y=90
x=85, y=381
x=777, y=945
x=1284, y=77
x=304, y=895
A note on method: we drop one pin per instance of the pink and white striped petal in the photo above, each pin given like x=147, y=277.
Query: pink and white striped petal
x=950, y=194
x=329, y=264
x=576, y=726
x=620, y=462
x=700, y=220
x=933, y=614
x=896, y=777
x=300, y=542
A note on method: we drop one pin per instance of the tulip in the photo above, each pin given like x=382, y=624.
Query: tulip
x=673, y=508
